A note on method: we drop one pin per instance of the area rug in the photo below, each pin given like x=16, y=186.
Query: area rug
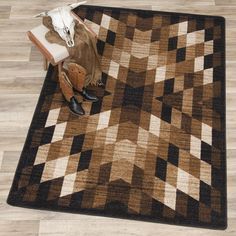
x=153, y=147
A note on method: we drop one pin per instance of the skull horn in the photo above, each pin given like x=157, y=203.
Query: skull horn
x=44, y=13
x=74, y=5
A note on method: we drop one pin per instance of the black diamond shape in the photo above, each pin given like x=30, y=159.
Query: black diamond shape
x=219, y=176
x=173, y=154
x=166, y=113
x=115, y=14
x=169, y=86
x=218, y=74
x=193, y=209
x=77, y=144
x=200, y=24
x=205, y=193
x=111, y=36
x=145, y=14
x=85, y=158
x=161, y=169
x=180, y=55
x=218, y=46
x=174, y=19
x=96, y=107
x=100, y=46
x=157, y=208
x=106, y=93
x=209, y=33
x=206, y=152
x=90, y=14
x=35, y=179
x=133, y=96
x=47, y=135
x=76, y=200
x=208, y=61
x=172, y=43
x=43, y=190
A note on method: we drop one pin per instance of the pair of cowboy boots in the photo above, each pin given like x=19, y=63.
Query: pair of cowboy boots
x=75, y=81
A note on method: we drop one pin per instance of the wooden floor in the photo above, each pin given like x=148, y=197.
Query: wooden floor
x=21, y=79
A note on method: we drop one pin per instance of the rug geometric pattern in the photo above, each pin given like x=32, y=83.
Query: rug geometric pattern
x=153, y=147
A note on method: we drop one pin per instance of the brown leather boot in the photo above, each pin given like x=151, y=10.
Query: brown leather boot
x=68, y=93
x=76, y=75
x=66, y=86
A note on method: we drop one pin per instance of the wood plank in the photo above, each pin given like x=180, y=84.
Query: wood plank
x=21, y=80
x=19, y=228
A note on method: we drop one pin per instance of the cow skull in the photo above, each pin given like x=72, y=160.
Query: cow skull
x=63, y=22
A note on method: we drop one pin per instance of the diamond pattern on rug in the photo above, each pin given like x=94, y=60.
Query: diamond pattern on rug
x=153, y=145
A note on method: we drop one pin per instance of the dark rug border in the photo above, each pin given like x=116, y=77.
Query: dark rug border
x=14, y=201
x=148, y=11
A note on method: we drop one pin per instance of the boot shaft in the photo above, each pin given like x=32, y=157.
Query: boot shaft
x=66, y=86
x=77, y=76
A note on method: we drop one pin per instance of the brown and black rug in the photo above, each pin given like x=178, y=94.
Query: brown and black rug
x=153, y=147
